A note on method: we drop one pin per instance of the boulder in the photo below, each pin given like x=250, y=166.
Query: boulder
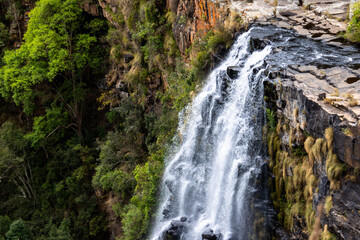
x=233, y=72
x=210, y=235
x=175, y=230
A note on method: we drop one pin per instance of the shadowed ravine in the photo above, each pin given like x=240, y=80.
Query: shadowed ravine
x=214, y=185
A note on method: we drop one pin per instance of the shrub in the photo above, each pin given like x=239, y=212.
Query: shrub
x=271, y=119
x=18, y=231
x=353, y=30
x=4, y=225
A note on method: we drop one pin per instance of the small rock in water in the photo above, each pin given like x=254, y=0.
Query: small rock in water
x=210, y=235
x=233, y=72
x=175, y=230
x=183, y=219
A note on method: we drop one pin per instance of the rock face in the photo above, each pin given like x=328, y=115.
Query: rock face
x=310, y=100
x=347, y=201
x=302, y=89
x=306, y=105
x=194, y=18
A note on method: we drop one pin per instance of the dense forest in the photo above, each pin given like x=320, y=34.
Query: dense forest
x=89, y=108
x=81, y=152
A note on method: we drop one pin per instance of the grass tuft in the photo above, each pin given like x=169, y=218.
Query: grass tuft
x=317, y=149
x=328, y=205
x=308, y=144
x=329, y=136
x=334, y=170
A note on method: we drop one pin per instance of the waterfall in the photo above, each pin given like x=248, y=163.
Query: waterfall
x=208, y=181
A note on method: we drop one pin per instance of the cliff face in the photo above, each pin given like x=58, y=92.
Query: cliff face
x=194, y=18
x=315, y=147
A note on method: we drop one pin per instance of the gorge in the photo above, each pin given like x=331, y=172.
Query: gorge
x=179, y=119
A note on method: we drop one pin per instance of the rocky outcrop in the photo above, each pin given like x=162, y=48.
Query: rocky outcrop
x=306, y=169
x=262, y=9
x=318, y=176
x=194, y=18
x=318, y=112
x=91, y=6
x=301, y=91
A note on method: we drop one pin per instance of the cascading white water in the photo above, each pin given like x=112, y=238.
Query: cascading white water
x=206, y=182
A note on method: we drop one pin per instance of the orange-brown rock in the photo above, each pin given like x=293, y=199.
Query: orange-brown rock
x=195, y=18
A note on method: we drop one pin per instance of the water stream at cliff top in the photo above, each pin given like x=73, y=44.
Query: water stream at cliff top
x=214, y=184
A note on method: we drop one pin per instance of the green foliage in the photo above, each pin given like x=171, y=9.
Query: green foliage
x=136, y=218
x=48, y=125
x=182, y=82
x=334, y=170
x=133, y=222
x=14, y=165
x=62, y=232
x=271, y=119
x=5, y=222
x=18, y=231
x=121, y=150
x=53, y=45
x=353, y=30
x=116, y=180
x=45, y=169
x=4, y=35
x=97, y=224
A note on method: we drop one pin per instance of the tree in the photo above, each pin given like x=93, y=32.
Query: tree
x=62, y=232
x=4, y=226
x=18, y=231
x=52, y=61
x=14, y=166
x=353, y=30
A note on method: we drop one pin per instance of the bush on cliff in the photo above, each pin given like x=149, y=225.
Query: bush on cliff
x=353, y=30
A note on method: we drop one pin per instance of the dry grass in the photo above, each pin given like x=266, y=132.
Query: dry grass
x=326, y=235
x=303, y=125
x=285, y=127
x=348, y=132
x=309, y=215
x=335, y=93
x=309, y=144
x=334, y=170
x=316, y=227
x=296, y=113
x=328, y=205
x=317, y=149
x=298, y=176
x=351, y=178
x=329, y=136
x=351, y=100
x=291, y=137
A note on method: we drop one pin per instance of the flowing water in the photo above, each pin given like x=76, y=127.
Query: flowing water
x=214, y=184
